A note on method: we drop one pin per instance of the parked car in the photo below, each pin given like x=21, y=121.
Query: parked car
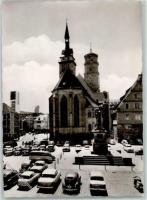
x=112, y=142
x=97, y=183
x=78, y=148
x=87, y=147
x=35, y=148
x=49, y=179
x=124, y=142
x=51, y=148
x=51, y=142
x=85, y=142
x=17, y=151
x=41, y=163
x=10, y=177
x=71, y=182
x=139, y=151
x=59, y=143
x=42, y=147
x=28, y=179
x=138, y=184
x=25, y=166
x=8, y=151
x=129, y=149
x=66, y=148
x=26, y=151
x=67, y=142
x=41, y=155
x=127, y=145
x=37, y=169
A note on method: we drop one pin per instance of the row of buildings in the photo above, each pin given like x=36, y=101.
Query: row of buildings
x=77, y=105
x=16, y=122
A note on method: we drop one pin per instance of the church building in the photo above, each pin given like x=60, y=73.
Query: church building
x=74, y=99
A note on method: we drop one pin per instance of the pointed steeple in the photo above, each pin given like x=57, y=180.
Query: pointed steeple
x=66, y=36
x=67, y=61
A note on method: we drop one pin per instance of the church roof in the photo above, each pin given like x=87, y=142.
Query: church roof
x=68, y=81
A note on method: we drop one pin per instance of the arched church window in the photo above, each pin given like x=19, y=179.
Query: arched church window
x=89, y=114
x=76, y=111
x=63, y=112
x=89, y=127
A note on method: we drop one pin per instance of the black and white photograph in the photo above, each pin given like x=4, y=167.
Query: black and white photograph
x=72, y=99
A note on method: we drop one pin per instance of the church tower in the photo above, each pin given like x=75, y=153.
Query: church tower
x=67, y=61
x=91, y=74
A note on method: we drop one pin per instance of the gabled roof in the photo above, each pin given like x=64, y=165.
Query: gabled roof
x=128, y=91
x=85, y=86
x=68, y=81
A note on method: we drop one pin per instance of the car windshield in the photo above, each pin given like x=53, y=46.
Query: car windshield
x=39, y=164
x=25, y=176
x=97, y=178
x=48, y=175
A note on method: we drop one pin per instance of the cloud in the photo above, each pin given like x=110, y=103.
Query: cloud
x=33, y=81
x=31, y=67
x=41, y=49
x=116, y=86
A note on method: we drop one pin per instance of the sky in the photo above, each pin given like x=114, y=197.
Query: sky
x=33, y=39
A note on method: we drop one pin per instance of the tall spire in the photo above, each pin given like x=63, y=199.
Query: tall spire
x=90, y=47
x=66, y=36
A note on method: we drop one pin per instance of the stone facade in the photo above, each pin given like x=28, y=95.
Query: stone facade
x=10, y=123
x=74, y=97
x=129, y=113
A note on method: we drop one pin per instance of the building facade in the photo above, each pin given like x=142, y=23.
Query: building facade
x=41, y=122
x=10, y=123
x=129, y=113
x=74, y=99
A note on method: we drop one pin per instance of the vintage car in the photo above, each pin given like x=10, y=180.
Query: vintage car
x=51, y=142
x=49, y=179
x=10, y=177
x=71, y=182
x=138, y=184
x=26, y=151
x=17, y=151
x=37, y=168
x=129, y=149
x=51, y=148
x=112, y=142
x=66, y=148
x=28, y=179
x=87, y=147
x=97, y=183
x=78, y=148
x=41, y=155
x=8, y=151
x=41, y=163
x=139, y=151
x=35, y=148
x=42, y=147
x=127, y=145
x=24, y=166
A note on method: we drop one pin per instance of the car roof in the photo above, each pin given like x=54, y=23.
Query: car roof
x=40, y=161
x=71, y=174
x=35, y=167
x=27, y=173
x=49, y=171
x=8, y=171
x=96, y=173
